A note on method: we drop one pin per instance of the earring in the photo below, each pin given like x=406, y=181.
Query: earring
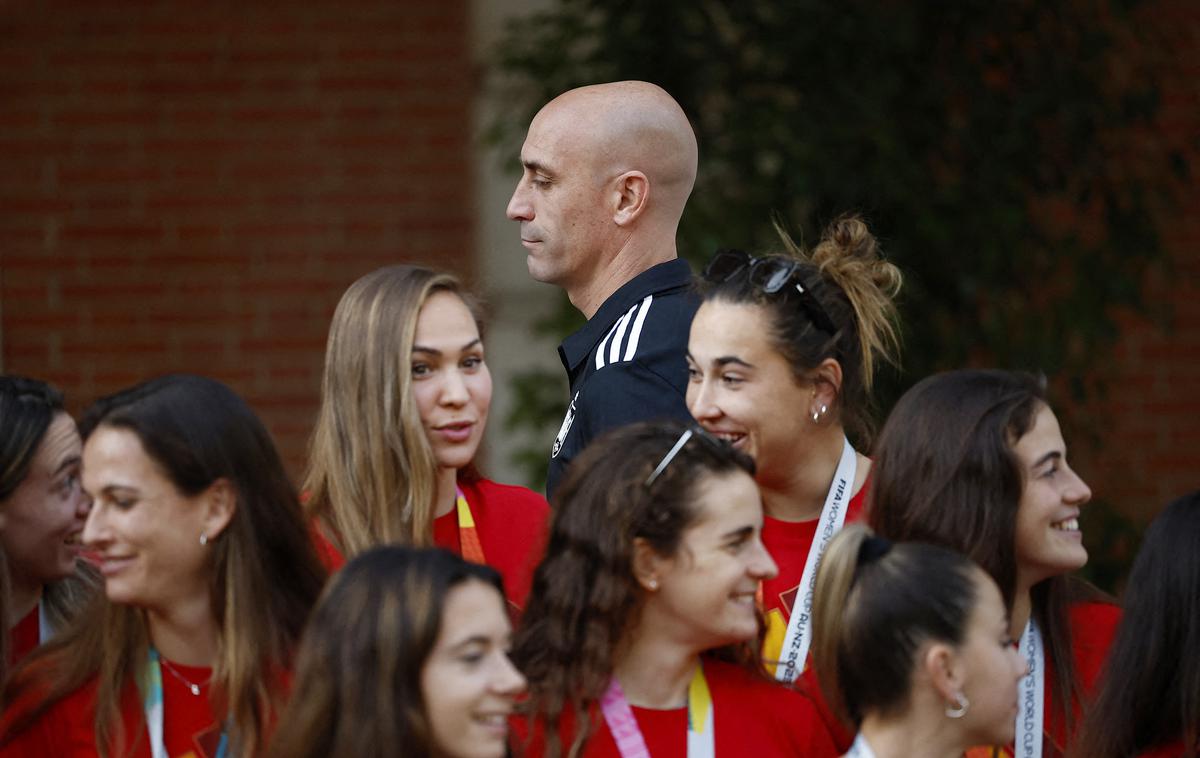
x=653, y=584
x=203, y=538
x=961, y=704
x=816, y=417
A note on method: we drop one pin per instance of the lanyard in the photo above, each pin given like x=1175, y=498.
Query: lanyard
x=152, y=701
x=1031, y=714
x=45, y=628
x=860, y=748
x=468, y=534
x=628, y=736
x=833, y=515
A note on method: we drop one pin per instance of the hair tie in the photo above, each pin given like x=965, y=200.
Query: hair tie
x=872, y=549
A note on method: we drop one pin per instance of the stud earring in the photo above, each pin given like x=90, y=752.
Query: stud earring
x=653, y=583
x=818, y=414
x=961, y=704
x=203, y=538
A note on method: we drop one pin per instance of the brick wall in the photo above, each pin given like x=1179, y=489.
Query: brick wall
x=191, y=186
x=1151, y=446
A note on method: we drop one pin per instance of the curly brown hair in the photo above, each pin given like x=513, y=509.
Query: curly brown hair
x=585, y=599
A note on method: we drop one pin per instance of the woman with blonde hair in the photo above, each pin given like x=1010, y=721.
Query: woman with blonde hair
x=911, y=645
x=404, y=403
x=405, y=654
x=44, y=508
x=209, y=575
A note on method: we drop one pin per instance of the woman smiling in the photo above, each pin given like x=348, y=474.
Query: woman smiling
x=642, y=633
x=209, y=575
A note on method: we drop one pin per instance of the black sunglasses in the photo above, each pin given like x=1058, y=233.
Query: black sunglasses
x=771, y=274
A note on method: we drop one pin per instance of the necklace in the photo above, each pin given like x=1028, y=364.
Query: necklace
x=195, y=688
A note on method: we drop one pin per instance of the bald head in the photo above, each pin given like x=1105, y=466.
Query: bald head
x=628, y=126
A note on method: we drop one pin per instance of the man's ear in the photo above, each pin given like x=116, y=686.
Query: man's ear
x=647, y=565
x=632, y=190
x=219, y=503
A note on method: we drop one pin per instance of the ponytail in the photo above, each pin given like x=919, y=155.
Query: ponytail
x=875, y=606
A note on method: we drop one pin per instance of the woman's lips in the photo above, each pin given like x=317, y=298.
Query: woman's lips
x=456, y=432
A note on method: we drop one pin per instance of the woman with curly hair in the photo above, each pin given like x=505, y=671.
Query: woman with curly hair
x=642, y=633
x=209, y=575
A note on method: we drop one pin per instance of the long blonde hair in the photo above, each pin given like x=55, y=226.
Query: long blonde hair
x=372, y=476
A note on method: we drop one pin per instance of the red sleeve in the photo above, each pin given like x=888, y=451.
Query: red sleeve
x=66, y=730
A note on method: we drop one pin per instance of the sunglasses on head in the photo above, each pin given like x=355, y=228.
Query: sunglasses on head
x=692, y=432
x=771, y=274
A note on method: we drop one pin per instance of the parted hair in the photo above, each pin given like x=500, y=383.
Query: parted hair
x=265, y=574
x=946, y=473
x=585, y=599
x=874, y=616
x=372, y=476
x=358, y=671
x=856, y=287
x=1149, y=691
x=27, y=408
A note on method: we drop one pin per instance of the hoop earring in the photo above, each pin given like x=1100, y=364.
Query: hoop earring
x=961, y=704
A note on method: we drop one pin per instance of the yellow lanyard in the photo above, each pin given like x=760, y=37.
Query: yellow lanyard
x=468, y=534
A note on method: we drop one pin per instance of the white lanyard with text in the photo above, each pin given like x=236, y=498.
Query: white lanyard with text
x=833, y=515
x=628, y=735
x=1031, y=713
x=152, y=702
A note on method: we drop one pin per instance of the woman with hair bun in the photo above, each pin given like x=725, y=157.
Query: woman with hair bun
x=1147, y=702
x=975, y=461
x=911, y=646
x=209, y=575
x=405, y=654
x=44, y=509
x=782, y=357
x=404, y=402
x=642, y=634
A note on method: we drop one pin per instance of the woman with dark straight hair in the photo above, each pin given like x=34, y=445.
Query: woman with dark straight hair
x=44, y=509
x=911, y=646
x=1148, y=701
x=405, y=654
x=642, y=635
x=209, y=575
x=975, y=461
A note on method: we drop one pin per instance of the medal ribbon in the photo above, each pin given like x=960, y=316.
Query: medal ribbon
x=833, y=516
x=468, y=535
x=152, y=701
x=628, y=735
x=1031, y=715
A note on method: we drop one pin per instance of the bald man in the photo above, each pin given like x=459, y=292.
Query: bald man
x=607, y=171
